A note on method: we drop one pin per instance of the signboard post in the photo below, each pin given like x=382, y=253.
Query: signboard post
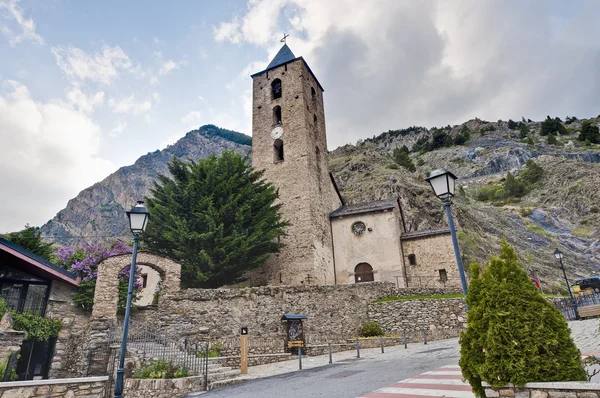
x=295, y=331
x=244, y=351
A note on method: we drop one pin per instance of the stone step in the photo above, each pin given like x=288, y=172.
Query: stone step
x=224, y=382
x=223, y=376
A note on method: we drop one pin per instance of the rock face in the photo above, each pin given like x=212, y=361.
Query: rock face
x=98, y=212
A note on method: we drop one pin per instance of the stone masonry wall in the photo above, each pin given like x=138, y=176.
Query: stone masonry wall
x=87, y=387
x=68, y=353
x=333, y=310
x=163, y=388
x=10, y=341
x=433, y=253
x=429, y=314
x=547, y=390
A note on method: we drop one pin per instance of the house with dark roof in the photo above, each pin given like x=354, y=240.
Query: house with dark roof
x=31, y=284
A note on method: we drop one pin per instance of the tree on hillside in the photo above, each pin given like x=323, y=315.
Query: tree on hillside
x=513, y=334
x=553, y=126
x=532, y=172
x=30, y=239
x=514, y=186
x=217, y=217
x=512, y=124
x=589, y=132
x=401, y=157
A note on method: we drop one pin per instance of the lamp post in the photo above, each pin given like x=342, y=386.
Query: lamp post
x=138, y=220
x=442, y=183
x=559, y=256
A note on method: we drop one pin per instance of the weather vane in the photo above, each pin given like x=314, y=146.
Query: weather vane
x=285, y=36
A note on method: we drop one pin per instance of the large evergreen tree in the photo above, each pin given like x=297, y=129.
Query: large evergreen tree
x=513, y=334
x=30, y=238
x=217, y=217
x=589, y=132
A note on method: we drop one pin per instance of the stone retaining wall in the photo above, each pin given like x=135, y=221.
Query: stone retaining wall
x=410, y=315
x=162, y=388
x=570, y=389
x=214, y=314
x=85, y=387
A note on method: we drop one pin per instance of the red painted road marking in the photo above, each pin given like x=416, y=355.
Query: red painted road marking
x=444, y=382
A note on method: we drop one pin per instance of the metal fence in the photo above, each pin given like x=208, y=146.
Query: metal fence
x=151, y=343
x=102, y=361
x=567, y=308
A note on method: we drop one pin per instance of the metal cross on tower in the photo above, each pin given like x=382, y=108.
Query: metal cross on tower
x=285, y=36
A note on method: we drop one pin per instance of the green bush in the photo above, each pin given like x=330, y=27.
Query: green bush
x=589, y=133
x=370, y=329
x=552, y=126
x=37, y=327
x=532, y=172
x=161, y=370
x=551, y=140
x=214, y=351
x=401, y=158
x=513, y=334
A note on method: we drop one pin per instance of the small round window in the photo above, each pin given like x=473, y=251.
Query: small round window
x=358, y=228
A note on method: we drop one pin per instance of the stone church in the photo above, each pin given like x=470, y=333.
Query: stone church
x=329, y=241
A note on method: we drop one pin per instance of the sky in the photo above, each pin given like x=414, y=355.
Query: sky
x=87, y=87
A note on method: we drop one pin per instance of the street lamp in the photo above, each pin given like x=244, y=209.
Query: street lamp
x=442, y=182
x=138, y=220
x=559, y=256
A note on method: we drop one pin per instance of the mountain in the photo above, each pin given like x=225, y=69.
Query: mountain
x=98, y=212
x=561, y=210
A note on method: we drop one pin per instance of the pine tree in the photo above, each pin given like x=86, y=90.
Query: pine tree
x=513, y=334
x=589, y=132
x=217, y=217
x=30, y=239
x=401, y=158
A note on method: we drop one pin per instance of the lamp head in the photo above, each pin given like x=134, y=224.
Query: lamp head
x=138, y=218
x=558, y=254
x=442, y=182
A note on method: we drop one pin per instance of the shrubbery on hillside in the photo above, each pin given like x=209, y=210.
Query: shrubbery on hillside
x=589, y=132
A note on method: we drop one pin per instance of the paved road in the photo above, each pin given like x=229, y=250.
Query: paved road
x=350, y=377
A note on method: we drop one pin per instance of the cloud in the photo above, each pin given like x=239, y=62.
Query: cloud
x=11, y=9
x=191, y=119
x=49, y=152
x=102, y=67
x=118, y=129
x=84, y=103
x=168, y=67
x=128, y=105
x=404, y=63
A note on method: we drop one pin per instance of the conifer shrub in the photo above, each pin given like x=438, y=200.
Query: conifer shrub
x=371, y=329
x=513, y=334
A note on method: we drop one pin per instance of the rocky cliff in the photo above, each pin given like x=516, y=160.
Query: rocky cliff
x=98, y=213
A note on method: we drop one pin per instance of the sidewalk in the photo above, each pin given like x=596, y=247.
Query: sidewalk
x=442, y=348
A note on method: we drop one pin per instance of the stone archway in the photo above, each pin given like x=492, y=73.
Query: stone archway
x=107, y=283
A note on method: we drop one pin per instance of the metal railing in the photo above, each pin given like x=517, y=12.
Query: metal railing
x=566, y=305
x=151, y=343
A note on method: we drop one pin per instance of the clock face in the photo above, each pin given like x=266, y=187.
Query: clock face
x=358, y=228
x=277, y=132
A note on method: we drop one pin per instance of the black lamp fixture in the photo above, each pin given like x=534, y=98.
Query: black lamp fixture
x=138, y=218
x=442, y=182
x=559, y=256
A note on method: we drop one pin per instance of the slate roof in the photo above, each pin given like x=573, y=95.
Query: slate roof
x=424, y=233
x=39, y=263
x=284, y=56
x=367, y=207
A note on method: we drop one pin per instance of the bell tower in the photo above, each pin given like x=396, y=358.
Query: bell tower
x=289, y=143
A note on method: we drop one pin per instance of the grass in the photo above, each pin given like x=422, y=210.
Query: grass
x=404, y=298
x=583, y=231
x=539, y=230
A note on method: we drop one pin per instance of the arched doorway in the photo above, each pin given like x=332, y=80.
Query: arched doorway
x=363, y=272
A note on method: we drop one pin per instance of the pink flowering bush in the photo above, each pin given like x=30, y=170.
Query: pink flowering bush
x=83, y=260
